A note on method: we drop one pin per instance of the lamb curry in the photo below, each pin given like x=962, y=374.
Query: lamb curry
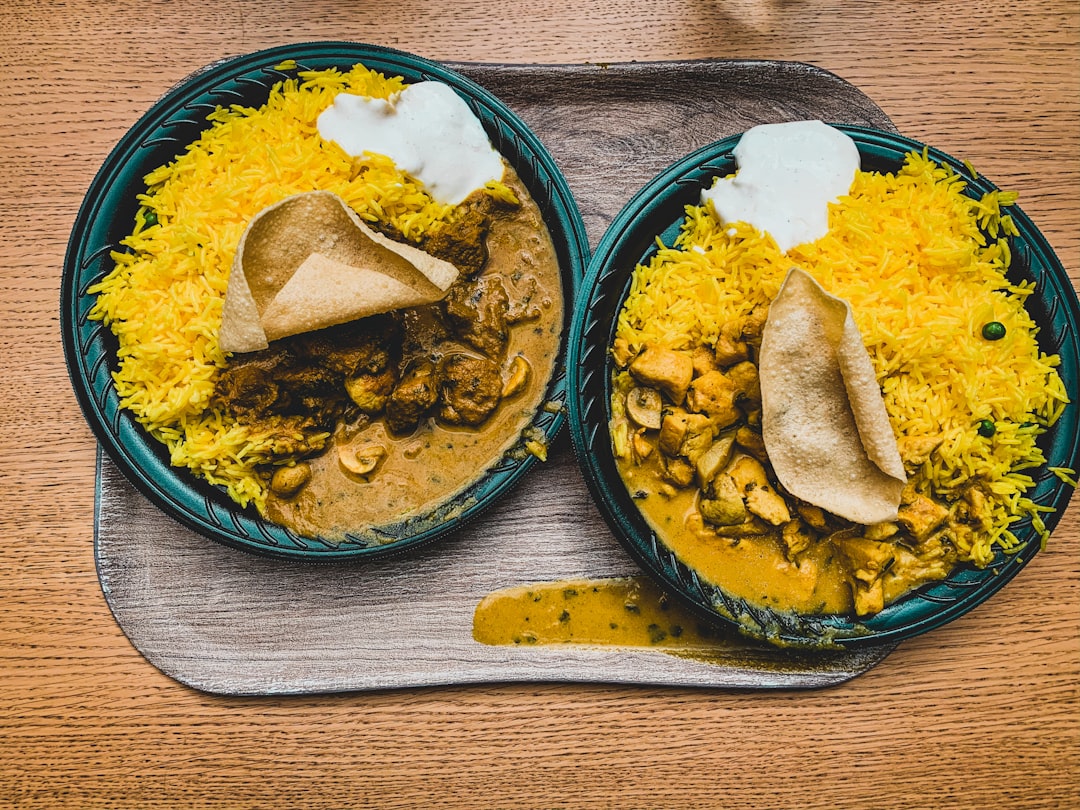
x=388, y=416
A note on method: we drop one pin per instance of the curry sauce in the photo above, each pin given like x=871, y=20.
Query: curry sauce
x=617, y=611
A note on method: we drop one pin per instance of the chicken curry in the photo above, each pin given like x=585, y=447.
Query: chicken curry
x=687, y=437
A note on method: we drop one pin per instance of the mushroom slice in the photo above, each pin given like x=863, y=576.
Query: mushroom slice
x=517, y=378
x=644, y=406
x=361, y=460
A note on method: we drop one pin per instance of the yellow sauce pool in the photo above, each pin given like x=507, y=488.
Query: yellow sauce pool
x=622, y=612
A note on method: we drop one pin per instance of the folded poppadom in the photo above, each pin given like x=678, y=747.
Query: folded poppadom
x=310, y=262
x=823, y=420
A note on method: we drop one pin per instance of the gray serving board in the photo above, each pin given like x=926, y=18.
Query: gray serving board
x=228, y=622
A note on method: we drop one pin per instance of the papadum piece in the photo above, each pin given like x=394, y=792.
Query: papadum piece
x=309, y=262
x=824, y=422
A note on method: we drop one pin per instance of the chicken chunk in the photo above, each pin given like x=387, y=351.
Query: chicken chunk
x=744, y=377
x=730, y=348
x=677, y=471
x=688, y=434
x=621, y=352
x=761, y=499
x=703, y=360
x=669, y=370
x=764, y=502
x=796, y=537
x=920, y=516
x=722, y=504
x=750, y=441
x=713, y=393
x=748, y=472
x=915, y=450
x=866, y=560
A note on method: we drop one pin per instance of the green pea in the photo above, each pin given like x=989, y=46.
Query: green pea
x=987, y=428
x=995, y=330
x=150, y=217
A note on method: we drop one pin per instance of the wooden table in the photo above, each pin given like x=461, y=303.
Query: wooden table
x=981, y=713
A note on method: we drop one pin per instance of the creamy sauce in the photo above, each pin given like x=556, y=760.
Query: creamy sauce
x=788, y=174
x=751, y=568
x=426, y=129
x=428, y=466
x=623, y=612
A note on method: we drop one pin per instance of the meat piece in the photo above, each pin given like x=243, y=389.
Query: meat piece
x=366, y=345
x=736, y=338
x=621, y=352
x=703, y=360
x=476, y=311
x=748, y=473
x=666, y=369
x=764, y=502
x=422, y=329
x=676, y=471
x=796, y=537
x=686, y=434
x=730, y=347
x=469, y=389
x=750, y=441
x=813, y=515
x=744, y=377
x=412, y=397
x=463, y=242
x=915, y=450
x=713, y=393
x=722, y=503
x=309, y=389
x=761, y=498
x=866, y=561
x=921, y=516
x=246, y=389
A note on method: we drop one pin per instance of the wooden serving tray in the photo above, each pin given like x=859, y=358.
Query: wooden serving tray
x=228, y=622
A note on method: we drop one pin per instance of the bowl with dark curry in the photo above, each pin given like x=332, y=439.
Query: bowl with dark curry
x=313, y=304
x=823, y=384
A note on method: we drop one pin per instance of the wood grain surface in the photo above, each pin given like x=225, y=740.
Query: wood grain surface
x=982, y=713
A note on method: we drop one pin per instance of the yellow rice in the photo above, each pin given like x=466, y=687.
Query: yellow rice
x=163, y=299
x=923, y=267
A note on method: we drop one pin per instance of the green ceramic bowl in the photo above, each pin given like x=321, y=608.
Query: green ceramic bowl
x=657, y=210
x=107, y=215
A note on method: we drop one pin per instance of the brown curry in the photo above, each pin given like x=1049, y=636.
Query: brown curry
x=417, y=403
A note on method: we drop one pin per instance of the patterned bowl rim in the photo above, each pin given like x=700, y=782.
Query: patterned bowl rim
x=107, y=213
x=656, y=210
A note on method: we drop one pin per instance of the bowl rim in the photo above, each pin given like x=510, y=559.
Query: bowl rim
x=183, y=108
x=628, y=240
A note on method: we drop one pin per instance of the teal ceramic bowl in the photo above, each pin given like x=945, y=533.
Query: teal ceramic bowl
x=657, y=210
x=107, y=215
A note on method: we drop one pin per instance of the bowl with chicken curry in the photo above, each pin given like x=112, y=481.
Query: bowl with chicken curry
x=850, y=436
x=313, y=303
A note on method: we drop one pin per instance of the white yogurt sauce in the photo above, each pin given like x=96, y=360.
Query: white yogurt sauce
x=426, y=129
x=788, y=174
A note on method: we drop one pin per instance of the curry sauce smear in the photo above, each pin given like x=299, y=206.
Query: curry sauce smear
x=617, y=612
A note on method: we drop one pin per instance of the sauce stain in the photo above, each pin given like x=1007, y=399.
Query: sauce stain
x=620, y=612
